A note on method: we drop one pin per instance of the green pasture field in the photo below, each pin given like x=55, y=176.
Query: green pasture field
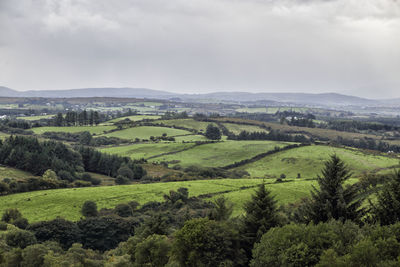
x=147, y=104
x=187, y=123
x=67, y=203
x=74, y=129
x=139, y=151
x=136, y=118
x=309, y=160
x=190, y=138
x=252, y=110
x=144, y=132
x=36, y=118
x=221, y=153
x=284, y=193
x=237, y=128
x=9, y=172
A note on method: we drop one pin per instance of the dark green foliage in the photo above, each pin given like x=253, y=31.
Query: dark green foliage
x=95, y=161
x=386, y=209
x=204, y=242
x=274, y=135
x=3, y=226
x=332, y=200
x=153, y=251
x=213, y=132
x=123, y=210
x=121, y=180
x=302, y=245
x=10, y=215
x=89, y=209
x=222, y=209
x=64, y=232
x=260, y=215
x=104, y=233
x=27, y=153
x=20, y=238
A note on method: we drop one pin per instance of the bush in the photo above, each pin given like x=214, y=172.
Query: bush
x=3, y=226
x=11, y=215
x=121, y=180
x=123, y=210
x=95, y=181
x=21, y=223
x=89, y=209
x=20, y=238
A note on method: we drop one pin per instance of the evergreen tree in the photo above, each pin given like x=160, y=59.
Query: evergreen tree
x=260, y=215
x=213, y=132
x=386, y=210
x=332, y=200
x=89, y=209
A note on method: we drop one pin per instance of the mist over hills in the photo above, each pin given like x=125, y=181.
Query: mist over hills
x=323, y=99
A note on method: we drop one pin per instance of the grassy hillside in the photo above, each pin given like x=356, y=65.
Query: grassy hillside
x=187, y=123
x=237, y=128
x=308, y=161
x=222, y=153
x=144, y=132
x=8, y=172
x=138, y=151
x=74, y=129
x=35, y=118
x=44, y=205
x=136, y=118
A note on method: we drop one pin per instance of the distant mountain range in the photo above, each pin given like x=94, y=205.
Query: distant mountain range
x=325, y=99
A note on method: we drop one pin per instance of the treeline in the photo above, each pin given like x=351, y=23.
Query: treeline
x=273, y=135
x=28, y=154
x=356, y=126
x=368, y=143
x=75, y=118
x=85, y=138
x=169, y=115
x=111, y=165
x=332, y=227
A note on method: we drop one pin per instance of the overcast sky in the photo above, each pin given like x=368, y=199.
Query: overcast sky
x=194, y=46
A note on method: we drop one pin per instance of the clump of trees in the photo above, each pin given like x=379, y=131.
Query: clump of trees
x=213, y=132
x=75, y=118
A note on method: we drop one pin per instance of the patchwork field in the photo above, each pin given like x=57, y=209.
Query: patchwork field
x=136, y=118
x=309, y=160
x=35, y=118
x=144, y=132
x=187, y=123
x=139, y=151
x=75, y=129
x=221, y=154
x=237, y=128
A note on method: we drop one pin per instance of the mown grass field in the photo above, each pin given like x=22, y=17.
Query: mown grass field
x=221, y=154
x=139, y=151
x=74, y=129
x=309, y=160
x=35, y=118
x=144, y=132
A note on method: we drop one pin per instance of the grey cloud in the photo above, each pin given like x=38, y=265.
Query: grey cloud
x=347, y=46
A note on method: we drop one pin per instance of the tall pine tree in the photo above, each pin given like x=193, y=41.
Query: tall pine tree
x=332, y=200
x=260, y=215
x=386, y=210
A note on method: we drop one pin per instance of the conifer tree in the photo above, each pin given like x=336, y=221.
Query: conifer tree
x=261, y=215
x=332, y=200
x=386, y=210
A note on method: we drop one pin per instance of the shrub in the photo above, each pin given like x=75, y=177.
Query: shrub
x=89, y=209
x=20, y=238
